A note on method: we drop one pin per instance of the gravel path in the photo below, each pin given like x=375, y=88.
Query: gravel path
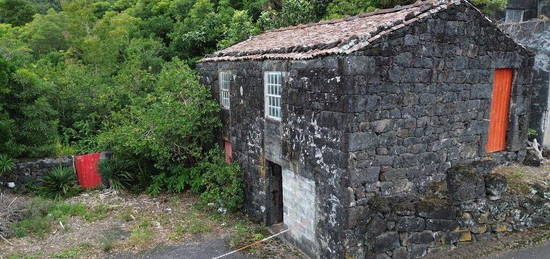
x=203, y=250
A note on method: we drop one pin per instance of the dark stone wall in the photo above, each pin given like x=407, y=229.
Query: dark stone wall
x=471, y=204
x=420, y=103
x=536, y=36
x=310, y=139
x=29, y=172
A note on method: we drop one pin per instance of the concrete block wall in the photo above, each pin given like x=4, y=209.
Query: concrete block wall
x=299, y=203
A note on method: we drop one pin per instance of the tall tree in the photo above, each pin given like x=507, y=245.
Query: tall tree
x=16, y=12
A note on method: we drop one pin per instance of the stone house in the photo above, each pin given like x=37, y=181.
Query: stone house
x=534, y=34
x=324, y=117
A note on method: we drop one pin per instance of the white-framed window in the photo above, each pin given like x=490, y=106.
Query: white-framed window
x=273, y=82
x=224, y=78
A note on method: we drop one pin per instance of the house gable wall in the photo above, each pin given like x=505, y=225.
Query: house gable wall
x=419, y=104
x=308, y=142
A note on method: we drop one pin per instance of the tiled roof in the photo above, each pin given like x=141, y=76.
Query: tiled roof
x=340, y=36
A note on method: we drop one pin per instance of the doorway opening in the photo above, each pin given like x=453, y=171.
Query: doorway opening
x=275, y=214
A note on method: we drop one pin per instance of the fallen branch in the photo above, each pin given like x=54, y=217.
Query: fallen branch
x=12, y=202
x=7, y=241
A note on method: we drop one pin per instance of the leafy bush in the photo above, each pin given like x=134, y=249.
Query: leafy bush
x=167, y=131
x=223, y=183
x=112, y=171
x=6, y=164
x=59, y=183
x=27, y=119
x=217, y=182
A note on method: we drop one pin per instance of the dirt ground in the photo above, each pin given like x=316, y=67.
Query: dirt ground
x=130, y=224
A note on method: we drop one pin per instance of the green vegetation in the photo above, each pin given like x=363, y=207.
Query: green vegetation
x=98, y=212
x=517, y=181
x=73, y=252
x=91, y=75
x=6, y=164
x=244, y=234
x=42, y=215
x=59, y=183
x=191, y=223
x=141, y=234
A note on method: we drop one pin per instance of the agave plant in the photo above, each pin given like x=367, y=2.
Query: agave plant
x=59, y=183
x=6, y=164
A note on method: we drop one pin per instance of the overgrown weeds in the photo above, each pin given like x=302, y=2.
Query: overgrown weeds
x=141, y=234
x=192, y=223
x=42, y=214
x=245, y=234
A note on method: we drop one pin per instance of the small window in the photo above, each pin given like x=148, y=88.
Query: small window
x=225, y=78
x=273, y=89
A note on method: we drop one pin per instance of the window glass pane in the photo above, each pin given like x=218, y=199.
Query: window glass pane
x=224, y=78
x=273, y=90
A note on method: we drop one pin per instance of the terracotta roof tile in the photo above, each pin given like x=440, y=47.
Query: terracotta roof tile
x=340, y=36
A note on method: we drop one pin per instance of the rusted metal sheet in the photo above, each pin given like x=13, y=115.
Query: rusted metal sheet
x=87, y=170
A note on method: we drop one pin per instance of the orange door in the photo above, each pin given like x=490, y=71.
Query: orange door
x=500, y=105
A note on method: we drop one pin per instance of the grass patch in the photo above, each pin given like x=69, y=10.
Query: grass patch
x=73, y=252
x=192, y=223
x=126, y=215
x=42, y=214
x=98, y=212
x=110, y=238
x=141, y=234
x=246, y=233
x=21, y=255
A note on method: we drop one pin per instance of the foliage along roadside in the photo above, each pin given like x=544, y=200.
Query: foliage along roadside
x=82, y=76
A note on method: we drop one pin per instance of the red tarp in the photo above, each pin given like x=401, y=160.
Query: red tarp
x=87, y=170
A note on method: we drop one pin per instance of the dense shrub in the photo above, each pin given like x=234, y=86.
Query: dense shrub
x=27, y=119
x=112, y=171
x=59, y=183
x=166, y=131
x=223, y=183
x=217, y=182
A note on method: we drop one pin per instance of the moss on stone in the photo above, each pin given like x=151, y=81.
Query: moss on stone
x=432, y=201
x=516, y=182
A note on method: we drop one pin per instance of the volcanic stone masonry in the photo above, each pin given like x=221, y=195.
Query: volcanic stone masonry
x=371, y=119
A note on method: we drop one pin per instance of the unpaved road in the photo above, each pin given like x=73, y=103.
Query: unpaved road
x=538, y=252
x=203, y=250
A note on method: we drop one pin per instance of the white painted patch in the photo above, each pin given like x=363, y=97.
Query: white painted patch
x=241, y=90
x=299, y=205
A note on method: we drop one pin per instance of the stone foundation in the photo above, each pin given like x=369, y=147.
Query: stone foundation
x=471, y=204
